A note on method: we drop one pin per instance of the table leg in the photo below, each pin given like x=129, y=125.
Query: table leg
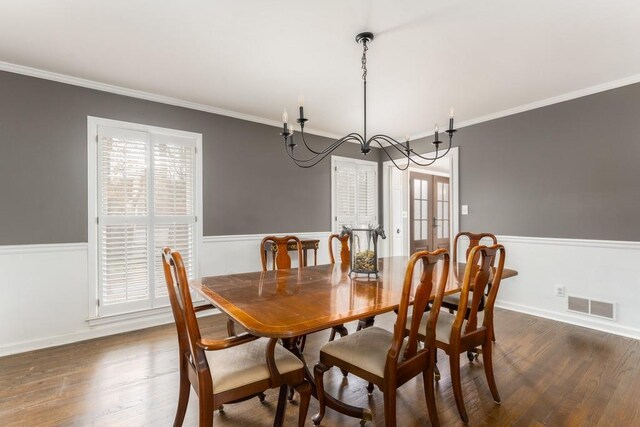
x=333, y=403
x=304, y=257
x=367, y=322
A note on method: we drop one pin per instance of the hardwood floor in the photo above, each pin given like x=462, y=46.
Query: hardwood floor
x=548, y=373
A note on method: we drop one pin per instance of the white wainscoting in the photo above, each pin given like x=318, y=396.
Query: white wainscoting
x=597, y=269
x=45, y=297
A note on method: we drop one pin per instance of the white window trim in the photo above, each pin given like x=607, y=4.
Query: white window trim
x=334, y=162
x=92, y=200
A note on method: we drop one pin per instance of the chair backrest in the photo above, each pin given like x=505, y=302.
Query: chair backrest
x=474, y=240
x=430, y=261
x=184, y=314
x=477, y=276
x=345, y=253
x=282, y=260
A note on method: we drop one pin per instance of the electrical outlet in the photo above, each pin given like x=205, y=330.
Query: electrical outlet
x=559, y=290
x=465, y=210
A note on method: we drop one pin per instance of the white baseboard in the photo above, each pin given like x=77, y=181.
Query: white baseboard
x=572, y=319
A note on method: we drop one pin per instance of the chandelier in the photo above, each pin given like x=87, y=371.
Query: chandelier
x=388, y=144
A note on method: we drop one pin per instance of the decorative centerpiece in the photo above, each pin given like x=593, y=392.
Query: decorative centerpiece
x=364, y=248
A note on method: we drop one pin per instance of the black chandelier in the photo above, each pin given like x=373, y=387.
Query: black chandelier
x=383, y=141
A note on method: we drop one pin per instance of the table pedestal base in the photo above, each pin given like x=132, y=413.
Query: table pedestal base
x=364, y=414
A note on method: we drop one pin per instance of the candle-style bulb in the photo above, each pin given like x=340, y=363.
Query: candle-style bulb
x=301, y=101
x=435, y=129
x=290, y=129
x=285, y=116
x=451, y=113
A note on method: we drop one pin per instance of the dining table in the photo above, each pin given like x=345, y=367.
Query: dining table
x=287, y=304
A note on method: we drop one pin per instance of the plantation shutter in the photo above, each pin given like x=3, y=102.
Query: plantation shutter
x=174, y=202
x=345, y=194
x=367, y=195
x=355, y=194
x=146, y=200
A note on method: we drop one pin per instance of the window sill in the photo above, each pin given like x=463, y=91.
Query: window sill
x=159, y=313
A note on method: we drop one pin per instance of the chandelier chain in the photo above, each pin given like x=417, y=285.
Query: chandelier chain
x=364, y=60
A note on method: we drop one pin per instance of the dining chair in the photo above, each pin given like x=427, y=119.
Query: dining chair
x=282, y=260
x=226, y=370
x=452, y=302
x=345, y=259
x=459, y=333
x=345, y=252
x=390, y=359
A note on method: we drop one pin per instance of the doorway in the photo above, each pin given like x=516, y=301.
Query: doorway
x=397, y=201
x=428, y=212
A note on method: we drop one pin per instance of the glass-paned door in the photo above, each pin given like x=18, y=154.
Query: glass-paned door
x=429, y=212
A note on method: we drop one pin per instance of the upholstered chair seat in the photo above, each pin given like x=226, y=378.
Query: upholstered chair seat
x=246, y=364
x=367, y=349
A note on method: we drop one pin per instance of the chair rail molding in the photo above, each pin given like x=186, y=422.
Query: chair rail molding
x=48, y=299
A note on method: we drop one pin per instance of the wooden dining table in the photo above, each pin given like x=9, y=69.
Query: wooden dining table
x=288, y=304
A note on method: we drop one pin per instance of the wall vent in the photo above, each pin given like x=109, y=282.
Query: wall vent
x=602, y=309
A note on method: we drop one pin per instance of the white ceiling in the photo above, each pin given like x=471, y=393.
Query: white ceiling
x=255, y=57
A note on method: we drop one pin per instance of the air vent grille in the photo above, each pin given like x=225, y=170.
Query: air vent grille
x=590, y=307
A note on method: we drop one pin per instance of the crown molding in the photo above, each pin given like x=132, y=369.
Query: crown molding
x=148, y=96
x=133, y=93
x=626, y=81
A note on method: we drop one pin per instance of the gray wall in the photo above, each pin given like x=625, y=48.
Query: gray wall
x=250, y=185
x=568, y=170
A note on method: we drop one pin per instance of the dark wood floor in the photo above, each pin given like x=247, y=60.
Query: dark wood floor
x=548, y=373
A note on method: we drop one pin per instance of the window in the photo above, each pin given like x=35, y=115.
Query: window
x=354, y=193
x=145, y=194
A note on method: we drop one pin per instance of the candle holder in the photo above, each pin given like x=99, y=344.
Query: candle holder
x=364, y=249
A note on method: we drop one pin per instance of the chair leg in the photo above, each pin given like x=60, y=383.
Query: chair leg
x=282, y=403
x=205, y=409
x=332, y=336
x=390, y=406
x=369, y=388
x=319, y=371
x=429, y=394
x=340, y=330
x=304, y=390
x=487, y=360
x=183, y=395
x=454, y=363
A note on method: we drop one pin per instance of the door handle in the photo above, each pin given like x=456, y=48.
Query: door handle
x=398, y=231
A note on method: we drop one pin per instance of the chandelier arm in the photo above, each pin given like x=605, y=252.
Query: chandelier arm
x=391, y=142
x=409, y=157
x=331, y=147
x=374, y=139
x=436, y=156
x=314, y=160
x=304, y=141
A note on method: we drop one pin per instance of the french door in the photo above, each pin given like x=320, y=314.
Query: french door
x=429, y=199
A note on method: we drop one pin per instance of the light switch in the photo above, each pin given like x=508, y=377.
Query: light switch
x=465, y=209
